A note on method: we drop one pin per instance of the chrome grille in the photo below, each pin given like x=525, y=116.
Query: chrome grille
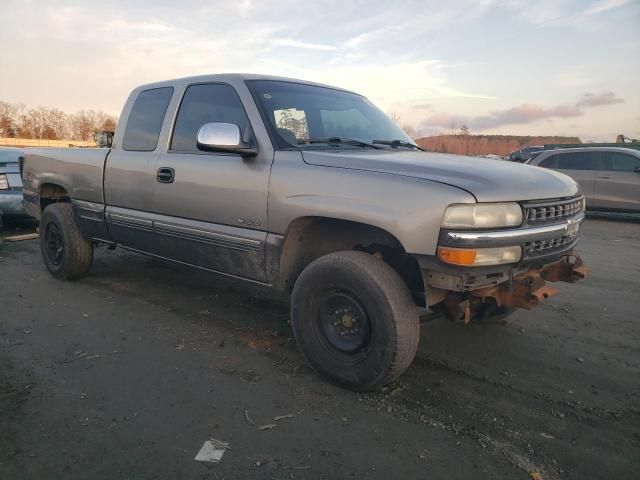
x=540, y=246
x=551, y=212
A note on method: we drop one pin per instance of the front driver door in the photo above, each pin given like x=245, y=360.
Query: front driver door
x=212, y=213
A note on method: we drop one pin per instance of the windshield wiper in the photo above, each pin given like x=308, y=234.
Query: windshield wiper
x=398, y=143
x=340, y=140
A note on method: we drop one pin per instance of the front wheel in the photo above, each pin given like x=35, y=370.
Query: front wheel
x=67, y=254
x=354, y=320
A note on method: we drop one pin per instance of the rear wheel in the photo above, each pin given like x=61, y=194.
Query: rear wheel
x=354, y=320
x=67, y=254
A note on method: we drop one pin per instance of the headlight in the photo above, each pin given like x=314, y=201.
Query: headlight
x=4, y=183
x=482, y=215
x=478, y=257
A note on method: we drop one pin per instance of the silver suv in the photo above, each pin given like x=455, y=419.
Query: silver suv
x=609, y=177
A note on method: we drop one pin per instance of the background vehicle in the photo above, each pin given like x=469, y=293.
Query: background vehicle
x=524, y=154
x=10, y=184
x=621, y=142
x=609, y=177
x=312, y=190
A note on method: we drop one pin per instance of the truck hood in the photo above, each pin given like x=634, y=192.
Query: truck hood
x=486, y=179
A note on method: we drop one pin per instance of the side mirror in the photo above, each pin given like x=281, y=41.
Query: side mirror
x=223, y=137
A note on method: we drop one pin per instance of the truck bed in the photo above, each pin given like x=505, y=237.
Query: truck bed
x=78, y=170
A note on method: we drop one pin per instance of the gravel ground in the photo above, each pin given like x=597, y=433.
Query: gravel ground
x=127, y=372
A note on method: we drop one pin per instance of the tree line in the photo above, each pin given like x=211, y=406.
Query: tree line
x=464, y=144
x=18, y=121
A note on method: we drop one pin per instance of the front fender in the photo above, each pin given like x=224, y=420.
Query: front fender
x=409, y=208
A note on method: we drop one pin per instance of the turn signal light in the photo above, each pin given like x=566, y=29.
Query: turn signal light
x=457, y=256
x=479, y=257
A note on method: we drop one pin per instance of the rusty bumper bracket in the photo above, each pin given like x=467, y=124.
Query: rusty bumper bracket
x=568, y=269
x=525, y=290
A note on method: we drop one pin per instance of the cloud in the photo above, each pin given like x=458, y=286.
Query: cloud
x=595, y=100
x=288, y=42
x=446, y=120
x=561, y=12
x=423, y=106
x=522, y=114
x=527, y=113
x=604, y=6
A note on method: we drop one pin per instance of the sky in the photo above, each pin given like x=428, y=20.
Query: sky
x=546, y=67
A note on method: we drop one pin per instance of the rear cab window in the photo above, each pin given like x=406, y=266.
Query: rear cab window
x=145, y=119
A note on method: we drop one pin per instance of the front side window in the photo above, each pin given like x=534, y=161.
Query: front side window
x=577, y=161
x=206, y=103
x=301, y=116
x=619, y=162
x=145, y=120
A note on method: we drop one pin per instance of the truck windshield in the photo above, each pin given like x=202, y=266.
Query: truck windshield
x=307, y=116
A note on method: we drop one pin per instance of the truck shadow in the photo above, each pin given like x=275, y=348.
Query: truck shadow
x=250, y=310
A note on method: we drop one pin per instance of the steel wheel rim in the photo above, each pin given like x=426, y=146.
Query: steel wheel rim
x=344, y=324
x=54, y=244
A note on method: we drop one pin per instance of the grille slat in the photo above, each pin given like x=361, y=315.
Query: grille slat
x=552, y=212
x=539, y=246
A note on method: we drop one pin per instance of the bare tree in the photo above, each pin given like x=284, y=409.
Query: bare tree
x=464, y=130
x=52, y=123
x=7, y=119
x=296, y=124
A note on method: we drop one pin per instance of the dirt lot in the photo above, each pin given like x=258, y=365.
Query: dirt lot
x=126, y=373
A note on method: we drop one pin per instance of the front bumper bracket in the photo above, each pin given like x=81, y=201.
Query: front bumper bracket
x=524, y=290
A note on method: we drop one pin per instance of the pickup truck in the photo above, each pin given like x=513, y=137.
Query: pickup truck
x=312, y=190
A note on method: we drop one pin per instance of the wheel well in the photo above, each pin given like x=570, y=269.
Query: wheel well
x=309, y=238
x=52, y=193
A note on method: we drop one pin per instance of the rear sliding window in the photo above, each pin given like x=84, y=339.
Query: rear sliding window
x=145, y=120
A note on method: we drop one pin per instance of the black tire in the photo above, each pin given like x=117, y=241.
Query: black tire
x=382, y=327
x=67, y=254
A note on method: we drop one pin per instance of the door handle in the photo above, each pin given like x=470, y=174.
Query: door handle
x=165, y=175
x=604, y=176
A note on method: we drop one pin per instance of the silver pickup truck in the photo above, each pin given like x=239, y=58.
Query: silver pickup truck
x=312, y=190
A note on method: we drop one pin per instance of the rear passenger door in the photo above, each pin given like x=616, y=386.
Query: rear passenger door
x=130, y=171
x=213, y=212
x=618, y=182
